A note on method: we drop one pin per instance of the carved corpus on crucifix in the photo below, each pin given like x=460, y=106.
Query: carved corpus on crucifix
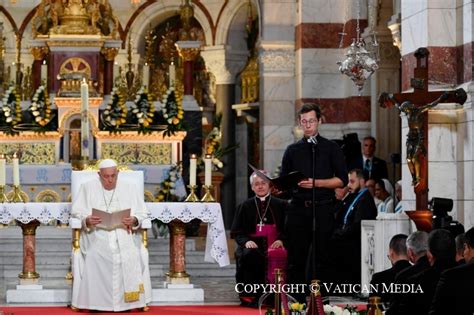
x=415, y=106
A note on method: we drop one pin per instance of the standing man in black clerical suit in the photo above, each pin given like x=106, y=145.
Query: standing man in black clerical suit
x=258, y=232
x=397, y=254
x=330, y=173
x=373, y=167
x=345, y=240
x=455, y=291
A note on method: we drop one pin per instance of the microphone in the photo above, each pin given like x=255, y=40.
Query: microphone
x=313, y=140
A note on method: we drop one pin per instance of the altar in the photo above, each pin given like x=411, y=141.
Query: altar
x=215, y=250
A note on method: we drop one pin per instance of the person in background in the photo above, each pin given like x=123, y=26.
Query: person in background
x=384, y=192
x=373, y=167
x=398, y=197
x=460, y=241
x=258, y=231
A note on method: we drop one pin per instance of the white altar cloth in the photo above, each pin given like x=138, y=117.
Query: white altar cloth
x=216, y=242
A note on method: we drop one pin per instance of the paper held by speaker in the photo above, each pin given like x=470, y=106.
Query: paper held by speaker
x=284, y=182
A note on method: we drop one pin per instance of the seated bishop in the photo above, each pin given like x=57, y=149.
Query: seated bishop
x=258, y=231
x=114, y=274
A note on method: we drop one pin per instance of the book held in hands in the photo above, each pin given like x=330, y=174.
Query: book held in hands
x=110, y=221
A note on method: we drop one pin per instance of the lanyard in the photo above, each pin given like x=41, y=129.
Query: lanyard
x=351, y=207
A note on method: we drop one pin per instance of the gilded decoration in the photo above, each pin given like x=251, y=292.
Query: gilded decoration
x=250, y=82
x=48, y=195
x=138, y=153
x=31, y=153
x=24, y=196
x=39, y=52
x=77, y=111
x=109, y=53
x=71, y=74
x=149, y=197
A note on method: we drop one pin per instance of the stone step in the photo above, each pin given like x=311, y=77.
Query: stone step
x=156, y=270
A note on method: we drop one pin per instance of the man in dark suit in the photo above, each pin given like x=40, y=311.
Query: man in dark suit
x=373, y=167
x=441, y=253
x=460, y=240
x=417, y=247
x=345, y=240
x=455, y=291
x=397, y=254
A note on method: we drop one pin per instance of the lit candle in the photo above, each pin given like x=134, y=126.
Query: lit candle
x=116, y=72
x=16, y=171
x=208, y=170
x=44, y=71
x=2, y=170
x=146, y=74
x=84, y=119
x=13, y=72
x=172, y=74
x=192, y=170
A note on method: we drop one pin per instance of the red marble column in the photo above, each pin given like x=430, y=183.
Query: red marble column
x=109, y=54
x=177, y=273
x=29, y=248
x=188, y=77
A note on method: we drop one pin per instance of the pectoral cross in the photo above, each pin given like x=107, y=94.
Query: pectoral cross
x=260, y=226
x=415, y=105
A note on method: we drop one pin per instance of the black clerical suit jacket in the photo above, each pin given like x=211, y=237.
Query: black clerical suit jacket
x=246, y=219
x=454, y=294
x=387, y=277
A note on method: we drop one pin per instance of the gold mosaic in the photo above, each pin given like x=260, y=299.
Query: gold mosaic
x=139, y=153
x=31, y=153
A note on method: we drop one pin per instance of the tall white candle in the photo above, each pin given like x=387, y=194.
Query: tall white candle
x=84, y=120
x=146, y=75
x=2, y=170
x=13, y=72
x=116, y=71
x=16, y=171
x=208, y=170
x=192, y=170
x=44, y=71
x=172, y=74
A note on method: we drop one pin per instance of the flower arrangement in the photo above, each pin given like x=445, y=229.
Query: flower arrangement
x=172, y=110
x=40, y=107
x=115, y=113
x=337, y=310
x=143, y=110
x=297, y=308
x=166, y=190
x=11, y=109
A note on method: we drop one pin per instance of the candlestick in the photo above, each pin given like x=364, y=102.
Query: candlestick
x=208, y=170
x=192, y=170
x=84, y=120
x=2, y=170
x=208, y=194
x=3, y=196
x=17, y=194
x=172, y=74
x=16, y=170
x=192, y=194
x=146, y=74
x=44, y=71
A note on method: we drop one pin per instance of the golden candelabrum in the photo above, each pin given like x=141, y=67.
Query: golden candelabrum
x=192, y=197
x=3, y=196
x=17, y=197
x=208, y=194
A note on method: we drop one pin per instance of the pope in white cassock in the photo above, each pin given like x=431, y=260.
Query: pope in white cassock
x=113, y=265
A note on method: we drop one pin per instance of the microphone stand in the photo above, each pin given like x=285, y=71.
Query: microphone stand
x=313, y=204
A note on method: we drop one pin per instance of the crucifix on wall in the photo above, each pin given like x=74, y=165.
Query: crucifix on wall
x=415, y=106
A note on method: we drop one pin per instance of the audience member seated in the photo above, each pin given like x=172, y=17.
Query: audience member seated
x=441, y=254
x=397, y=254
x=455, y=291
x=417, y=247
x=460, y=241
x=345, y=241
x=384, y=192
x=370, y=184
x=373, y=167
x=258, y=231
x=398, y=197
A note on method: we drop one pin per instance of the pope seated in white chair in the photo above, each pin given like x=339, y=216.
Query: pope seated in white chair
x=111, y=272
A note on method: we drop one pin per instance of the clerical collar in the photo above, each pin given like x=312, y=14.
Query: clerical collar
x=262, y=199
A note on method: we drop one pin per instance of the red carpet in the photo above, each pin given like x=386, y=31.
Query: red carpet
x=158, y=310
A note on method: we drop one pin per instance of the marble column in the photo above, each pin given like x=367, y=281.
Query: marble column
x=224, y=65
x=29, y=247
x=177, y=273
x=109, y=54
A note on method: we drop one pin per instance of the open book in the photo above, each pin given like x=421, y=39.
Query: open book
x=284, y=182
x=112, y=220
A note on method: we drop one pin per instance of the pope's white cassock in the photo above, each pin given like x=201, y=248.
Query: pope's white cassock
x=113, y=265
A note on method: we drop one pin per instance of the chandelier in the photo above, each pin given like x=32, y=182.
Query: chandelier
x=361, y=61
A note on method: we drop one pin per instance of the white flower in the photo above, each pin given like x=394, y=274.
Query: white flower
x=165, y=116
x=141, y=120
x=139, y=115
x=35, y=99
x=346, y=312
x=172, y=184
x=7, y=114
x=9, y=119
x=135, y=111
x=106, y=112
x=170, y=120
x=36, y=113
x=172, y=191
x=38, y=119
x=113, y=122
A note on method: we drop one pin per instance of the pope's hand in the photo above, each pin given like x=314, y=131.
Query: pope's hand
x=277, y=244
x=129, y=222
x=251, y=244
x=92, y=221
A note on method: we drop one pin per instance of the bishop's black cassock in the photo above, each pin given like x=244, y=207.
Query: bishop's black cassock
x=251, y=216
